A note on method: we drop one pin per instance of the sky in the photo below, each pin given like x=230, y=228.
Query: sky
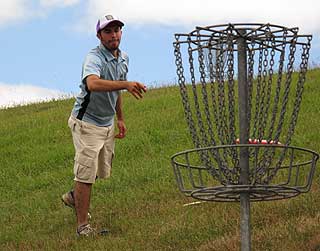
x=43, y=42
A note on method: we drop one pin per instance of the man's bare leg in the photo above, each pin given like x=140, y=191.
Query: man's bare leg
x=82, y=193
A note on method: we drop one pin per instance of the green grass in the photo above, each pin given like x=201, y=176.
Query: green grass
x=140, y=203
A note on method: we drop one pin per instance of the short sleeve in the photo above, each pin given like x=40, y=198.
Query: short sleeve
x=92, y=66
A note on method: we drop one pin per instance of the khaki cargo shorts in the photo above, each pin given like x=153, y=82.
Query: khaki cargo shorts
x=94, y=150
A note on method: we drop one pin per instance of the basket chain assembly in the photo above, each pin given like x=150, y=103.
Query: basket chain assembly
x=209, y=95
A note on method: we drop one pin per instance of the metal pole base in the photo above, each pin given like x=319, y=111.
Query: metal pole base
x=245, y=222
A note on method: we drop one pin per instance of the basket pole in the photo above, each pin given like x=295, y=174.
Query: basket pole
x=244, y=137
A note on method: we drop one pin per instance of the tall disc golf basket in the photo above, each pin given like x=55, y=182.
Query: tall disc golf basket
x=241, y=87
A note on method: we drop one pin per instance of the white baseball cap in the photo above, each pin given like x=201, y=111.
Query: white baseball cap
x=106, y=20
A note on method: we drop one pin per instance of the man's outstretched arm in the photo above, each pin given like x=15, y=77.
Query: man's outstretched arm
x=95, y=83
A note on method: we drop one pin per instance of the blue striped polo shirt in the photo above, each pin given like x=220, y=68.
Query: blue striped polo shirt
x=98, y=108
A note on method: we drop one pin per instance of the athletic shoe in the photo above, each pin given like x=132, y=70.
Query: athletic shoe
x=68, y=200
x=86, y=231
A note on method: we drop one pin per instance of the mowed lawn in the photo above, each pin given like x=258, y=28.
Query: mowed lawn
x=140, y=204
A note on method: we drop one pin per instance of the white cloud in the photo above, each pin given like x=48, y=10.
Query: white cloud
x=13, y=10
x=58, y=3
x=291, y=13
x=21, y=94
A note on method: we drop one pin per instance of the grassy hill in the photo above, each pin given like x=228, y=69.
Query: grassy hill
x=140, y=203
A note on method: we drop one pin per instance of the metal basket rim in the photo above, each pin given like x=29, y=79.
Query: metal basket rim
x=245, y=145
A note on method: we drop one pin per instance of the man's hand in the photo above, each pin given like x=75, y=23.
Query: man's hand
x=136, y=89
x=122, y=129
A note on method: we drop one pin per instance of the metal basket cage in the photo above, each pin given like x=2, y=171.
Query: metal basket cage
x=241, y=83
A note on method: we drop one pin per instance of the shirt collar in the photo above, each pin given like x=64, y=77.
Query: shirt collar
x=108, y=55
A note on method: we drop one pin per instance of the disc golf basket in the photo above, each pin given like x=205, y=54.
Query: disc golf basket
x=241, y=87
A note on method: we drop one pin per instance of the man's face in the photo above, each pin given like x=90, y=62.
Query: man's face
x=110, y=36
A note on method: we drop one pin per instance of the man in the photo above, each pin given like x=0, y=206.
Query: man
x=104, y=74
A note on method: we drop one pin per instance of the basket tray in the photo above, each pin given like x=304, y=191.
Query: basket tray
x=275, y=172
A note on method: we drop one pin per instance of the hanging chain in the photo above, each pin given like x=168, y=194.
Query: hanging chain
x=263, y=98
x=184, y=93
x=269, y=95
x=278, y=87
x=269, y=86
x=251, y=53
x=288, y=80
x=300, y=86
x=258, y=96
